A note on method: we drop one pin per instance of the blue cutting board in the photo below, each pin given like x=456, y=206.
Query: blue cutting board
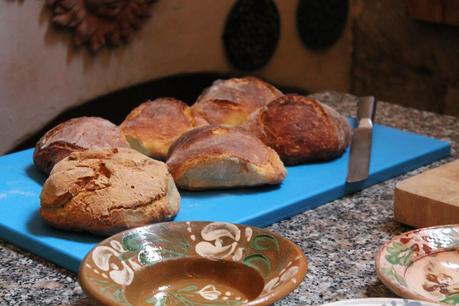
x=306, y=186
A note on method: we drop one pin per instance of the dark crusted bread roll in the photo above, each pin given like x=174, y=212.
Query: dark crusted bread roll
x=230, y=102
x=106, y=191
x=301, y=129
x=77, y=134
x=152, y=126
x=222, y=157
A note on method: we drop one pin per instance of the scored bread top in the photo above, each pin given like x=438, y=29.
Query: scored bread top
x=230, y=102
x=76, y=134
x=107, y=190
x=211, y=146
x=153, y=125
x=300, y=129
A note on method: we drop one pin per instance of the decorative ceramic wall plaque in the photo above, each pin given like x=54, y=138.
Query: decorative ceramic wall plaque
x=320, y=23
x=100, y=22
x=251, y=33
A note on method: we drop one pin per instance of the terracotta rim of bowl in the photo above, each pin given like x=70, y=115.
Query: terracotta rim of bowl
x=266, y=299
x=394, y=287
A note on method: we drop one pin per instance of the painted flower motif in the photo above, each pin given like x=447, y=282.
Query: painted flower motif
x=100, y=22
x=283, y=277
x=213, y=247
x=401, y=253
x=107, y=259
x=248, y=233
x=238, y=254
x=209, y=292
x=418, y=244
x=441, y=282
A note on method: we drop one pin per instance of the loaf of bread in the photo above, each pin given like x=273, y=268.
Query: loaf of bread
x=76, y=134
x=212, y=157
x=230, y=102
x=106, y=191
x=151, y=127
x=301, y=129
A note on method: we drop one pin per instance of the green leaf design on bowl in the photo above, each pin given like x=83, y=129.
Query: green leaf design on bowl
x=452, y=299
x=259, y=262
x=399, y=254
x=152, y=255
x=133, y=242
x=393, y=274
x=119, y=296
x=264, y=242
x=113, y=290
x=151, y=248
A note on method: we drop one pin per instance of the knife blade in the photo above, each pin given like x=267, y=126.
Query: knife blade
x=360, y=153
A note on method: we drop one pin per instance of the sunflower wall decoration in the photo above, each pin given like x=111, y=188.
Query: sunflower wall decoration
x=100, y=22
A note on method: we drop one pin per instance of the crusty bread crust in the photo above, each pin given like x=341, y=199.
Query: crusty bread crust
x=212, y=157
x=152, y=126
x=106, y=191
x=300, y=129
x=77, y=134
x=230, y=102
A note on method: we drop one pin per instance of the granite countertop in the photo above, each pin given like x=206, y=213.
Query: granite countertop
x=340, y=238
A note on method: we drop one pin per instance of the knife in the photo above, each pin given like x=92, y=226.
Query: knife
x=359, y=157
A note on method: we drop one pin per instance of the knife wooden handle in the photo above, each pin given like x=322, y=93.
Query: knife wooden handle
x=367, y=108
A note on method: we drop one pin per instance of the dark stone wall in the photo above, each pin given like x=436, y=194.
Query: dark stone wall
x=402, y=60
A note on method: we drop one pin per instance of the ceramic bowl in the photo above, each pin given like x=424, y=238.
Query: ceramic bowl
x=192, y=263
x=380, y=302
x=422, y=264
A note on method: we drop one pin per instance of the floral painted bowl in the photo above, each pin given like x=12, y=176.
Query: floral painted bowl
x=422, y=264
x=192, y=263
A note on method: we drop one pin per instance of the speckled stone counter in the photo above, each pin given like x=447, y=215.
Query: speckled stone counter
x=340, y=238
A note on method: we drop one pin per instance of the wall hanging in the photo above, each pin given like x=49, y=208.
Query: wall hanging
x=320, y=23
x=100, y=22
x=251, y=33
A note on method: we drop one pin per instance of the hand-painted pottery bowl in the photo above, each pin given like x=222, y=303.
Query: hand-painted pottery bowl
x=380, y=302
x=192, y=263
x=422, y=264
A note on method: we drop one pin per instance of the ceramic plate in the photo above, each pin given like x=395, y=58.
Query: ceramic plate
x=422, y=264
x=380, y=302
x=192, y=263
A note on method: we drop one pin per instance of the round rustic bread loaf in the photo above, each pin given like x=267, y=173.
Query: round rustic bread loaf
x=152, y=126
x=301, y=129
x=106, y=191
x=212, y=157
x=77, y=134
x=230, y=102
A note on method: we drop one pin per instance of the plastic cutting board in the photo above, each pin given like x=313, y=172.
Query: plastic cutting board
x=306, y=186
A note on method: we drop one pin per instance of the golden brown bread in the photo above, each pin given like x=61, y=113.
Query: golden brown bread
x=230, y=102
x=301, y=129
x=77, y=134
x=106, y=191
x=222, y=157
x=152, y=126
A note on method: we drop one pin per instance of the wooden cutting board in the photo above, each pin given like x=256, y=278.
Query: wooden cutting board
x=430, y=198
